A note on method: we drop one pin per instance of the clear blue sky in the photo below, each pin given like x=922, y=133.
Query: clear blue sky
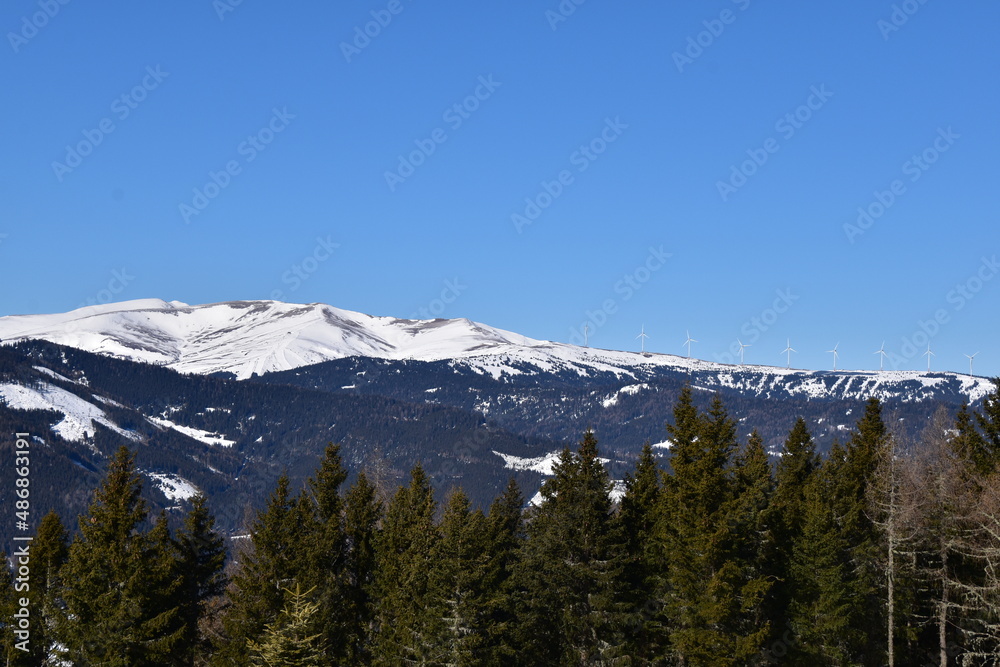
x=310, y=118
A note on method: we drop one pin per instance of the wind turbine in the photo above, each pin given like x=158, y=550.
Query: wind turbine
x=586, y=329
x=643, y=336
x=971, y=357
x=688, y=343
x=788, y=350
x=881, y=361
x=928, y=354
x=742, y=346
x=834, y=350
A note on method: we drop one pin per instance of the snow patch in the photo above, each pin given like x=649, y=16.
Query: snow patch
x=541, y=464
x=628, y=389
x=196, y=433
x=79, y=416
x=173, y=487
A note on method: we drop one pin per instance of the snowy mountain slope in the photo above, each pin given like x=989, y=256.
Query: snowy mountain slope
x=79, y=415
x=247, y=337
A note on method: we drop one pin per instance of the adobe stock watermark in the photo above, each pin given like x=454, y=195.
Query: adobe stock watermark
x=914, y=168
x=453, y=289
x=223, y=7
x=562, y=12
x=780, y=646
x=121, y=107
x=21, y=557
x=758, y=325
x=625, y=288
x=957, y=298
x=900, y=16
x=581, y=158
x=455, y=116
x=786, y=126
x=30, y=25
x=248, y=149
x=714, y=27
x=302, y=270
x=364, y=34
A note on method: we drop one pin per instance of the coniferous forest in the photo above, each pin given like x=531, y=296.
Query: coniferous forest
x=885, y=552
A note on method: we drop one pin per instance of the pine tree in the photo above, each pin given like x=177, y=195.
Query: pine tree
x=795, y=469
x=839, y=606
x=362, y=514
x=456, y=591
x=797, y=464
x=164, y=582
x=572, y=566
x=293, y=638
x=326, y=545
x=703, y=576
x=116, y=586
x=505, y=535
x=820, y=603
x=266, y=570
x=404, y=555
x=865, y=452
x=638, y=517
x=755, y=552
x=201, y=558
x=49, y=551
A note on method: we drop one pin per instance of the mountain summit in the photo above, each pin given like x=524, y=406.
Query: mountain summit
x=246, y=337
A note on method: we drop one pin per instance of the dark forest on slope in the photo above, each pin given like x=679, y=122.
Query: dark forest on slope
x=885, y=550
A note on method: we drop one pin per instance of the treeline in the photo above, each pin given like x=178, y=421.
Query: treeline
x=885, y=552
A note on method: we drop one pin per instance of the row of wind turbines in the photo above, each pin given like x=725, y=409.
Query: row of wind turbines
x=789, y=350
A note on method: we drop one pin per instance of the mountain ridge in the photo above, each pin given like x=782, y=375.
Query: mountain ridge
x=246, y=338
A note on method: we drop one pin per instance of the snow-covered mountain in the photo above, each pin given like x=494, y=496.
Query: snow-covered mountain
x=247, y=337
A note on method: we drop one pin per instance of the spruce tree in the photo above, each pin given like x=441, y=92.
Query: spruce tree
x=755, y=550
x=266, y=570
x=505, y=535
x=404, y=555
x=865, y=452
x=638, y=517
x=796, y=467
x=456, y=587
x=326, y=545
x=116, y=580
x=821, y=605
x=201, y=558
x=704, y=573
x=293, y=639
x=49, y=551
x=574, y=605
x=362, y=514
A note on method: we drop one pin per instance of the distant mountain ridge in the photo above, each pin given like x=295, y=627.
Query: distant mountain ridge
x=243, y=338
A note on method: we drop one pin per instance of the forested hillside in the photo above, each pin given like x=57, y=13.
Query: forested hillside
x=886, y=551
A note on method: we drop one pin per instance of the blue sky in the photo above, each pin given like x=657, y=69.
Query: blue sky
x=822, y=173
